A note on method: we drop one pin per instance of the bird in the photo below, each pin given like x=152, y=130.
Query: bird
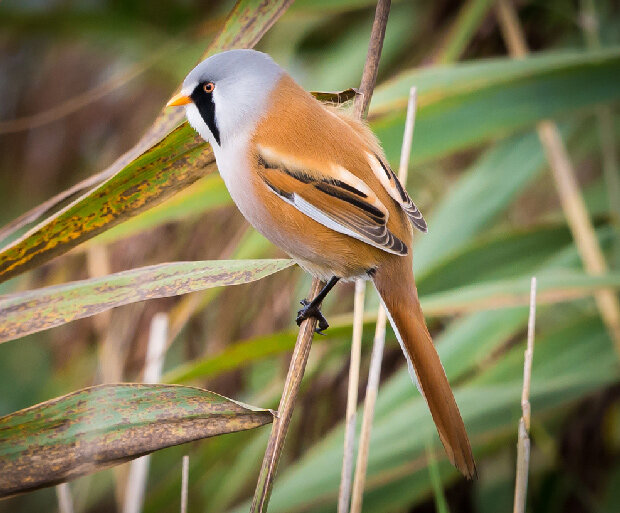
x=315, y=182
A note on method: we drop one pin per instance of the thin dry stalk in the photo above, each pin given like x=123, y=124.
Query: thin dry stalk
x=184, y=483
x=344, y=494
x=405, y=152
x=65, y=502
x=139, y=468
x=523, y=445
x=379, y=342
x=360, y=110
x=285, y=409
x=306, y=330
x=369, y=409
x=371, y=67
x=567, y=186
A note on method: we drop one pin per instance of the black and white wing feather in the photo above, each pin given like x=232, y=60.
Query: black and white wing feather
x=338, y=200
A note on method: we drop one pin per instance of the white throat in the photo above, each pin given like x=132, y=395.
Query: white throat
x=195, y=120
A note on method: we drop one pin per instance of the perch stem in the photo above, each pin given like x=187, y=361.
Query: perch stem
x=285, y=409
x=360, y=110
x=523, y=444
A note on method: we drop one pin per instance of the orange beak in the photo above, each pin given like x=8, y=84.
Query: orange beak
x=178, y=99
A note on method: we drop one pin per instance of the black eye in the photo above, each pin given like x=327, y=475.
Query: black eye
x=208, y=87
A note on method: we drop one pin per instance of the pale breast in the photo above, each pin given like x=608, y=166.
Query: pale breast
x=236, y=164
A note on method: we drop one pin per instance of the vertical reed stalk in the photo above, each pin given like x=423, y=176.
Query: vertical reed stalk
x=360, y=109
x=65, y=502
x=184, y=483
x=283, y=416
x=372, y=388
x=523, y=445
x=344, y=493
x=139, y=468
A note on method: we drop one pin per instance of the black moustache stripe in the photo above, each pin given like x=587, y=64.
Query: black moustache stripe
x=206, y=106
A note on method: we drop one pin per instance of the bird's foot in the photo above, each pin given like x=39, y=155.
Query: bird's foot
x=312, y=310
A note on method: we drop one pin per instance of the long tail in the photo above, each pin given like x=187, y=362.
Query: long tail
x=395, y=283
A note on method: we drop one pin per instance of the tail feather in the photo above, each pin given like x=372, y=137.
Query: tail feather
x=396, y=286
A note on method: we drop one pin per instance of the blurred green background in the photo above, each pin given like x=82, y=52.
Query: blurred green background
x=80, y=81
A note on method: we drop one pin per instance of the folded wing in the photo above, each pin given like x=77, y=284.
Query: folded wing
x=338, y=200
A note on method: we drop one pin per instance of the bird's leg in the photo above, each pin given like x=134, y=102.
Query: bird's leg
x=313, y=308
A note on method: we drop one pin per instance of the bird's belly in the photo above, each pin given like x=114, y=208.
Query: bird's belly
x=321, y=251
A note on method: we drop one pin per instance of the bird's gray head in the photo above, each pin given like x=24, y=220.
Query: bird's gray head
x=226, y=94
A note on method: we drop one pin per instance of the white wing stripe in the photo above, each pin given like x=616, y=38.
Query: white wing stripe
x=320, y=217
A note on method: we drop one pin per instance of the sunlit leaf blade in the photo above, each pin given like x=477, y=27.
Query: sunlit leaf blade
x=36, y=310
x=179, y=159
x=208, y=193
x=247, y=23
x=466, y=104
x=105, y=425
x=84, y=218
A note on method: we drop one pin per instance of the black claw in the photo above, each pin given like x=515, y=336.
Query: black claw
x=310, y=310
